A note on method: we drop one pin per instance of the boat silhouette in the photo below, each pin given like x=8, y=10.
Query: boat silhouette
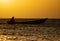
x=37, y=21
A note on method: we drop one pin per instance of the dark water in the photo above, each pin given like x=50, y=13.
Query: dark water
x=48, y=31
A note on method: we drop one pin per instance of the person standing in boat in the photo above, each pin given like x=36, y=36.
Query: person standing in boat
x=12, y=20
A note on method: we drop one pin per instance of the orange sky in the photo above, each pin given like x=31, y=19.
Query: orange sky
x=30, y=8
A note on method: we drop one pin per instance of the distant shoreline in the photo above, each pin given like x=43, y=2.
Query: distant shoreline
x=32, y=18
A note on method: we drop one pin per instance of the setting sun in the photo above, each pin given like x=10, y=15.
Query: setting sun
x=5, y=1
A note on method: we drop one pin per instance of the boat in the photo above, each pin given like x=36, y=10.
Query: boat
x=37, y=21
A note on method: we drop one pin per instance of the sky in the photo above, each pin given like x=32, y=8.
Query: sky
x=30, y=8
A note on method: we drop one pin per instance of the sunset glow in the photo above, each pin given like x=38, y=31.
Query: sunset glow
x=30, y=8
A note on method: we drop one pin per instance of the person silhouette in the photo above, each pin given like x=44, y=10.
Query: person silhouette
x=12, y=21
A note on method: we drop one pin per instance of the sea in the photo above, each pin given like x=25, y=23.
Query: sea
x=47, y=31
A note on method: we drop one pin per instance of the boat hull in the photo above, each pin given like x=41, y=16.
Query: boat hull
x=39, y=21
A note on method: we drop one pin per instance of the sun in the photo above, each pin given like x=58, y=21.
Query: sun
x=6, y=1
